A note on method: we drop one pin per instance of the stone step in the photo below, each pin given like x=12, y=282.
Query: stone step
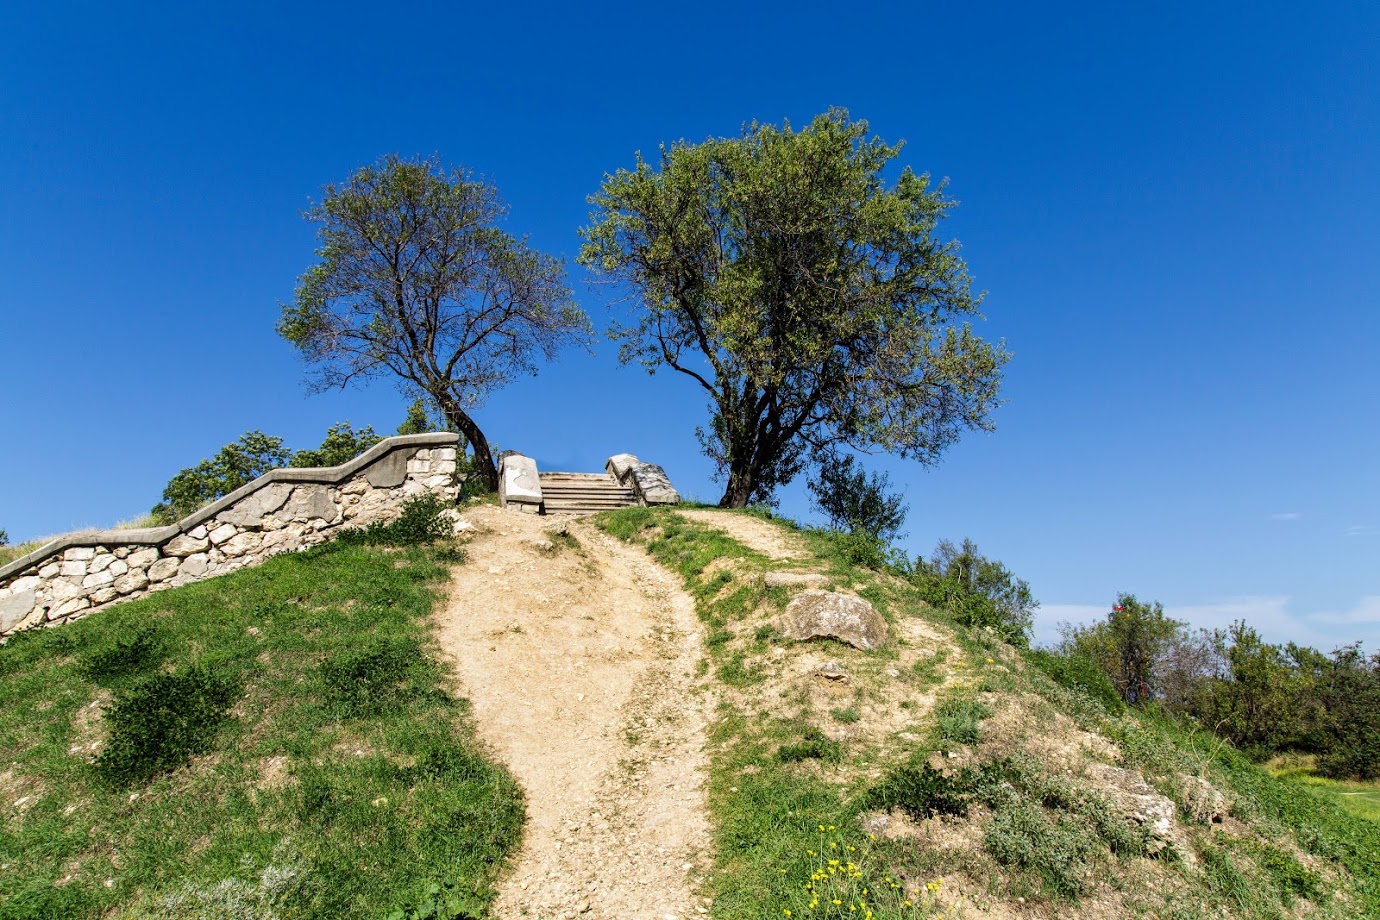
x=609, y=493
x=583, y=493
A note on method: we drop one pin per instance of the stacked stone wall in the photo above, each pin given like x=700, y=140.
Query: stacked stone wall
x=283, y=511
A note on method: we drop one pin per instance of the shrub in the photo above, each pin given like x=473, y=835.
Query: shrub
x=959, y=720
x=420, y=521
x=1078, y=672
x=1060, y=850
x=922, y=792
x=161, y=722
x=123, y=656
x=364, y=681
x=854, y=501
x=977, y=591
x=814, y=746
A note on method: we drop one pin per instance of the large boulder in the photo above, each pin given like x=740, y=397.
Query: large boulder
x=828, y=615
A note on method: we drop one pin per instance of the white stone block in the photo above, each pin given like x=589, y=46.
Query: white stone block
x=81, y=553
x=222, y=533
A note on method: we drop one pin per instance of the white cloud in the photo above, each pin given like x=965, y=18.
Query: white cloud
x=1361, y=530
x=1366, y=610
x=1271, y=615
x=1286, y=516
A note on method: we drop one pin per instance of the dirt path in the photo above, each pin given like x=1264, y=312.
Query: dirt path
x=580, y=662
x=762, y=536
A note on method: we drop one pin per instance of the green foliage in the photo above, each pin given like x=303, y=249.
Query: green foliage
x=342, y=444
x=812, y=746
x=124, y=655
x=236, y=464
x=361, y=682
x=159, y=723
x=1127, y=646
x=854, y=500
x=1059, y=848
x=444, y=900
x=417, y=280
x=4, y=538
x=803, y=291
x=959, y=720
x=921, y=791
x=1078, y=672
x=420, y=521
x=418, y=420
x=977, y=591
x=848, y=715
x=860, y=549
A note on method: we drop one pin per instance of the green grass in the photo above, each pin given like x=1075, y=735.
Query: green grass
x=786, y=802
x=1361, y=799
x=286, y=747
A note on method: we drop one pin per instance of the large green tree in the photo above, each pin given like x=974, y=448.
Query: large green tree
x=416, y=280
x=807, y=295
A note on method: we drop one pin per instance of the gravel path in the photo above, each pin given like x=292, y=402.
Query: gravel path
x=580, y=661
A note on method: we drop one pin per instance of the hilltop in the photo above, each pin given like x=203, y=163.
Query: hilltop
x=606, y=717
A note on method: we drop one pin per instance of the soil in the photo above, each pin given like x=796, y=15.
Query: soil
x=767, y=538
x=579, y=655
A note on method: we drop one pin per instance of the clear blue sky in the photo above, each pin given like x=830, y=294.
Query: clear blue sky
x=1175, y=209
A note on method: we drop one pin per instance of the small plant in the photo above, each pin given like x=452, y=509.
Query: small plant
x=4, y=538
x=959, y=720
x=444, y=900
x=922, y=792
x=813, y=746
x=1078, y=672
x=361, y=682
x=420, y=521
x=847, y=880
x=846, y=716
x=1060, y=849
x=123, y=656
x=159, y=723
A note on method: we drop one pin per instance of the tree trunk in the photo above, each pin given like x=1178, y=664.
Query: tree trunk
x=483, y=457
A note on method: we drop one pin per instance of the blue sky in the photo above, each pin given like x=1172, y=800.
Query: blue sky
x=1175, y=210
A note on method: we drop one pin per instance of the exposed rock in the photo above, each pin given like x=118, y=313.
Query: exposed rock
x=79, y=553
x=104, y=595
x=795, y=580
x=119, y=567
x=222, y=533
x=198, y=532
x=389, y=472
x=1202, y=800
x=1138, y=801
x=134, y=580
x=97, y=580
x=101, y=562
x=832, y=671
x=26, y=583
x=194, y=566
x=142, y=557
x=242, y=543
x=164, y=568
x=15, y=609
x=309, y=503
x=75, y=569
x=248, y=511
x=185, y=544
x=826, y=614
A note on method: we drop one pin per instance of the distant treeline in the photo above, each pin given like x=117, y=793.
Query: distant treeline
x=1266, y=699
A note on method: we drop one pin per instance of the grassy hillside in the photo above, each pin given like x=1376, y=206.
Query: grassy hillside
x=947, y=774
x=307, y=759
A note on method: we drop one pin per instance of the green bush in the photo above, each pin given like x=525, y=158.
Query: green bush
x=1078, y=672
x=342, y=444
x=855, y=502
x=420, y=521
x=959, y=720
x=922, y=792
x=236, y=464
x=123, y=656
x=1061, y=849
x=366, y=680
x=976, y=591
x=813, y=746
x=162, y=721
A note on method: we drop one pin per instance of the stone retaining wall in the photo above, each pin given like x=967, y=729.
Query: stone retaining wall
x=287, y=509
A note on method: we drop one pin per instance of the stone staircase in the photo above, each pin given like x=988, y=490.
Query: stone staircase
x=583, y=493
